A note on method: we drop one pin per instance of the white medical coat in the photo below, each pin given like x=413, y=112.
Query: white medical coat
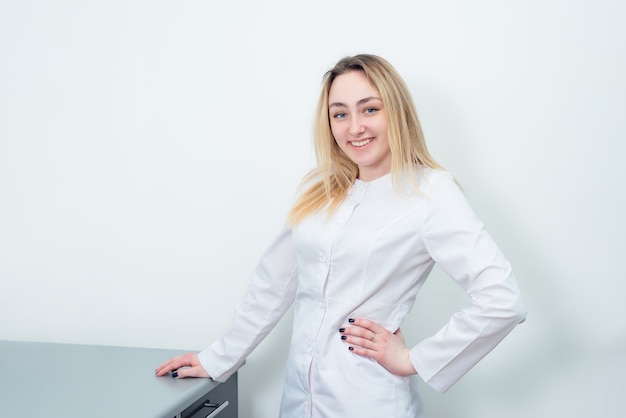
x=369, y=260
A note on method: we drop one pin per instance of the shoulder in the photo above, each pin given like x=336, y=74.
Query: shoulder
x=441, y=194
x=435, y=182
x=445, y=205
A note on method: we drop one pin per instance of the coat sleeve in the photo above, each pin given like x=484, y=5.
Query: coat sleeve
x=457, y=241
x=269, y=295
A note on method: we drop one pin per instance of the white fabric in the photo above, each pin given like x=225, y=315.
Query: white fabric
x=369, y=260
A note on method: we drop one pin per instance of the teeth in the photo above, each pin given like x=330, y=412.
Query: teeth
x=361, y=143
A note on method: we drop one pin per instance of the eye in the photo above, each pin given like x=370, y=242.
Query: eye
x=339, y=115
x=370, y=110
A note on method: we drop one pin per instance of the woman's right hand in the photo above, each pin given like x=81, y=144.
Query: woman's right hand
x=187, y=365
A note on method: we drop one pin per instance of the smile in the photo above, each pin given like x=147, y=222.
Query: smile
x=361, y=143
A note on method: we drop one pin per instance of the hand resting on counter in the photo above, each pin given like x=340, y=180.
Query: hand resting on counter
x=186, y=365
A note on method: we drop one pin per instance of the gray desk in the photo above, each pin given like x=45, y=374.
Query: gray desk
x=44, y=380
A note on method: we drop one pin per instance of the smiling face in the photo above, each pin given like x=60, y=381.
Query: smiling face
x=359, y=124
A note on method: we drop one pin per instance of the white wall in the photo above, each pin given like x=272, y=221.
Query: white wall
x=149, y=151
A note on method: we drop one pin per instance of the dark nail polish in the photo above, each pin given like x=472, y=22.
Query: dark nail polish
x=350, y=348
x=351, y=320
x=342, y=329
x=175, y=375
x=343, y=337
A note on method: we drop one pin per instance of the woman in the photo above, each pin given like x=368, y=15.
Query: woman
x=377, y=213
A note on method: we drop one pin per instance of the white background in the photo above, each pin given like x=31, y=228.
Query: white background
x=150, y=150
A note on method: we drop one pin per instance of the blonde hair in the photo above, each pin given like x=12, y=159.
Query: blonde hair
x=335, y=172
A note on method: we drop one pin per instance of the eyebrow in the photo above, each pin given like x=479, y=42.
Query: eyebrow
x=360, y=102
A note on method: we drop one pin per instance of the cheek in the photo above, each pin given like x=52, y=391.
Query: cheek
x=336, y=135
x=334, y=129
x=381, y=123
x=338, y=144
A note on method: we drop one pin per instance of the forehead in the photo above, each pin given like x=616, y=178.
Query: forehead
x=351, y=87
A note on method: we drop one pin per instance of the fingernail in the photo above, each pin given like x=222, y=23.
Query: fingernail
x=343, y=337
x=175, y=375
x=351, y=320
x=342, y=329
x=350, y=348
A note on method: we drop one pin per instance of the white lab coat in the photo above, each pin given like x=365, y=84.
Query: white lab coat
x=369, y=260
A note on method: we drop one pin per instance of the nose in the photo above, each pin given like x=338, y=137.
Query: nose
x=356, y=126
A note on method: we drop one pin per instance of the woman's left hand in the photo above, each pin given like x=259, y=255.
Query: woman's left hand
x=368, y=339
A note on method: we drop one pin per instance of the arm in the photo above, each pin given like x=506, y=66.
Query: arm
x=269, y=295
x=457, y=241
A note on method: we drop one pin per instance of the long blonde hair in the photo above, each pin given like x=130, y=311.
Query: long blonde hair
x=335, y=172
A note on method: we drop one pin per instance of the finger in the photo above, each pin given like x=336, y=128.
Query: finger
x=363, y=352
x=359, y=342
x=176, y=363
x=197, y=371
x=368, y=325
x=358, y=331
x=357, y=335
x=169, y=366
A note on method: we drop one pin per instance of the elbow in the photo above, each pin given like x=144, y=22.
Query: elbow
x=501, y=302
x=521, y=314
x=507, y=309
x=518, y=316
x=511, y=304
x=516, y=311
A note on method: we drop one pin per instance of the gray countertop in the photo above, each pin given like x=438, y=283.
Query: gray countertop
x=69, y=380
